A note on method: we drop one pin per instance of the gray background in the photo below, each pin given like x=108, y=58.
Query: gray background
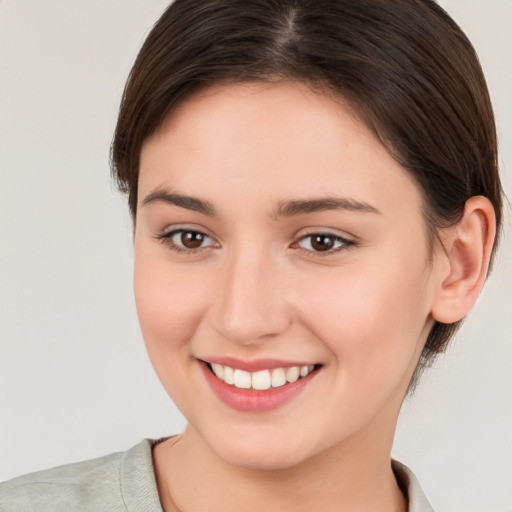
x=75, y=381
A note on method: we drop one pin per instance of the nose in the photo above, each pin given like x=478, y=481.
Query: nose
x=251, y=304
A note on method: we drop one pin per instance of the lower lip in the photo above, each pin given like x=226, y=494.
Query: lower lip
x=250, y=400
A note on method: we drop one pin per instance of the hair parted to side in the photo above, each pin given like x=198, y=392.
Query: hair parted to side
x=405, y=66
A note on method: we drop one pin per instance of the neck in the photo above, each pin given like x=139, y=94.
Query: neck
x=355, y=475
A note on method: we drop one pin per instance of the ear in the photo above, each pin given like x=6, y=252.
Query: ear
x=467, y=247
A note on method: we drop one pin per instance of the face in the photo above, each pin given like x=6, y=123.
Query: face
x=280, y=247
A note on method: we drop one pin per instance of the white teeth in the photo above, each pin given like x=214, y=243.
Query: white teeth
x=260, y=380
x=304, y=371
x=292, y=374
x=278, y=377
x=242, y=379
x=218, y=369
x=228, y=375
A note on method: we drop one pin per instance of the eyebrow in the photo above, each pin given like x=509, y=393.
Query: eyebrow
x=303, y=207
x=183, y=201
x=284, y=209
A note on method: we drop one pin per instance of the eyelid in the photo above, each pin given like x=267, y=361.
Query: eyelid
x=346, y=242
x=166, y=236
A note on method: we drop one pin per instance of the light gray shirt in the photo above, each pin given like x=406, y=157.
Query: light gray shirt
x=122, y=482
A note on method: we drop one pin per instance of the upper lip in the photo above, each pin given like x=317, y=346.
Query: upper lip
x=255, y=364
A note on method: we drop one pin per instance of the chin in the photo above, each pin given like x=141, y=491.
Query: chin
x=254, y=458
x=263, y=451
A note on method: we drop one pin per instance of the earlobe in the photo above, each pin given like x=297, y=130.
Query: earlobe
x=468, y=246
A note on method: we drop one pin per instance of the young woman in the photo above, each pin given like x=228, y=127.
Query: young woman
x=316, y=203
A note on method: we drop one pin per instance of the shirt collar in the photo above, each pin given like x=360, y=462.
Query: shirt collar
x=411, y=488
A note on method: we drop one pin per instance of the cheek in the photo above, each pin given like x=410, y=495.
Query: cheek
x=371, y=318
x=169, y=304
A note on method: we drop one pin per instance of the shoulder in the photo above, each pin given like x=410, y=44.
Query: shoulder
x=103, y=484
x=67, y=487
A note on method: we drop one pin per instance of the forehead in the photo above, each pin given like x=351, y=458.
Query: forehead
x=251, y=141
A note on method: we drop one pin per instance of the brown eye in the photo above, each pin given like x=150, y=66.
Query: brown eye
x=192, y=239
x=187, y=240
x=323, y=242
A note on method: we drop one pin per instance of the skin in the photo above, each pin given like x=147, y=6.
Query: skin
x=256, y=288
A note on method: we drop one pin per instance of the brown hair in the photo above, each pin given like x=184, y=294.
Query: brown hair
x=404, y=65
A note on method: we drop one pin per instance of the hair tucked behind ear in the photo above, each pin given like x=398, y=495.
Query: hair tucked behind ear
x=404, y=65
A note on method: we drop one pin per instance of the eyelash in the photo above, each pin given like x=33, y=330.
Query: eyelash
x=166, y=238
x=345, y=244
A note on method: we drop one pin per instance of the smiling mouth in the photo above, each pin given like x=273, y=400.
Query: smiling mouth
x=261, y=380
